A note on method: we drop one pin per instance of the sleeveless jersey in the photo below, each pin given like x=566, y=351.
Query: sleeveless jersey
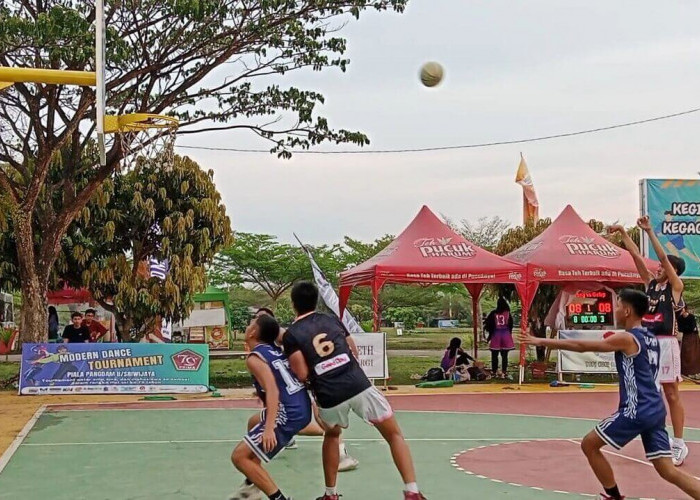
x=661, y=316
x=294, y=399
x=640, y=391
x=502, y=322
x=334, y=374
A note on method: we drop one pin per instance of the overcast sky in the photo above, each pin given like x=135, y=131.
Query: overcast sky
x=514, y=69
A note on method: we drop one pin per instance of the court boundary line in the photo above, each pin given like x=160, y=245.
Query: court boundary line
x=19, y=439
x=452, y=412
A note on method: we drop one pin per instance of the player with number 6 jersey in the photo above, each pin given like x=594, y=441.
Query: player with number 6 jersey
x=322, y=353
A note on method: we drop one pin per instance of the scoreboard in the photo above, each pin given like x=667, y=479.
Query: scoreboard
x=590, y=309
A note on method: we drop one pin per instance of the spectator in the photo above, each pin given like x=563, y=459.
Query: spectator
x=455, y=356
x=690, y=345
x=76, y=332
x=499, y=326
x=53, y=324
x=97, y=329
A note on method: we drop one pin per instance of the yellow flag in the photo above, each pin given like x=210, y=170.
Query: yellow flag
x=531, y=206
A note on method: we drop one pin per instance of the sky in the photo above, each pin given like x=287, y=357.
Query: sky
x=513, y=69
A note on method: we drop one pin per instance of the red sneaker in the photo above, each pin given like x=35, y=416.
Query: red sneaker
x=407, y=495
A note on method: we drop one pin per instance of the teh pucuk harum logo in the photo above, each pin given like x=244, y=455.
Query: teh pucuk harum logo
x=442, y=247
x=582, y=245
x=187, y=360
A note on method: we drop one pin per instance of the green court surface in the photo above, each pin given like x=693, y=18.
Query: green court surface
x=184, y=454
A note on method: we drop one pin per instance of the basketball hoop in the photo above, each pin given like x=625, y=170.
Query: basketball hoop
x=144, y=137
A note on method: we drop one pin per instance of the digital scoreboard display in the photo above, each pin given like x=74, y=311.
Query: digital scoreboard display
x=590, y=308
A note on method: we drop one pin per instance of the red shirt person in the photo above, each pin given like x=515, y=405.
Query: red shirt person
x=97, y=329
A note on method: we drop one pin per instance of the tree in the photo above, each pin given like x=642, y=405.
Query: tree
x=356, y=251
x=174, y=215
x=260, y=260
x=162, y=57
x=485, y=232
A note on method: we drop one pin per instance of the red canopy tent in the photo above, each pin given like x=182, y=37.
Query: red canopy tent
x=67, y=295
x=429, y=251
x=571, y=251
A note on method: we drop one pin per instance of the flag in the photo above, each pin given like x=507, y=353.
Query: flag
x=160, y=270
x=330, y=298
x=531, y=206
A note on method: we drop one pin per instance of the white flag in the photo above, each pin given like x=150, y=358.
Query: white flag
x=160, y=270
x=329, y=296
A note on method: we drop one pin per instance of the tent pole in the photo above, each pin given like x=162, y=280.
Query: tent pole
x=475, y=315
x=375, y=305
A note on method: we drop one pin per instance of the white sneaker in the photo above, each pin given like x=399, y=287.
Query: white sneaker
x=247, y=492
x=292, y=445
x=347, y=463
x=679, y=454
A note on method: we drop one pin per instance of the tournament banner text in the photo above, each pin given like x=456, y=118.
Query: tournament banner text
x=585, y=362
x=372, y=350
x=673, y=207
x=114, y=368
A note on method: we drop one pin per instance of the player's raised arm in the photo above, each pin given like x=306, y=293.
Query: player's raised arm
x=263, y=374
x=621, y=341
x=673, y=278
x=633, y=249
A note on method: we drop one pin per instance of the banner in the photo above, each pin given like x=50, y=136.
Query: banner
x=673, y=207
x=114, y=368
x=330, y=298
x=531, y=206
x=585, y=362
x=372, y=351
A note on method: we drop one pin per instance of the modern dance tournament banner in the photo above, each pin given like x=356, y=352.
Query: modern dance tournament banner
x=114, y=368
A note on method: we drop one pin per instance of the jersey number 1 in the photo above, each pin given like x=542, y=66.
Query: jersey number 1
x=293, y=385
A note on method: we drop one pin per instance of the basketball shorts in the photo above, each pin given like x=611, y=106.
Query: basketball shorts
x=670, y=360
x=618, y=430
x=287, y=427
x=370, y=405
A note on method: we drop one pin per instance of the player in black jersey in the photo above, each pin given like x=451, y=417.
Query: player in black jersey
x=665, y=290
x=322, y=353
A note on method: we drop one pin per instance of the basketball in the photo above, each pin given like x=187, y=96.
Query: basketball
x=431, y=74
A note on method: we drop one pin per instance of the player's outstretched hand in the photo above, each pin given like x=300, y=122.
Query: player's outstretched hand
x=526, y=338
x=643, y=223
x=269, y=440
x=616, y=229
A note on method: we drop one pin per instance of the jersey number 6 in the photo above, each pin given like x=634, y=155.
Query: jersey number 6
x=323, y=347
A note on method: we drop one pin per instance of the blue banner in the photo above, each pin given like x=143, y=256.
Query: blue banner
x=673, y=207
x=114, y=368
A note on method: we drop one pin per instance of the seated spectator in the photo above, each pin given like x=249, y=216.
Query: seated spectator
x=455, y=356
x=76, y=332
x=690, y=345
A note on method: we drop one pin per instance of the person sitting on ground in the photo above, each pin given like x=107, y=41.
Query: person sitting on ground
x=455, y=356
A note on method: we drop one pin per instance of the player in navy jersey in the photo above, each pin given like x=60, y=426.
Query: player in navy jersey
x=665, y=290
x=641, y=411
x=322, y=353
x=287, y=411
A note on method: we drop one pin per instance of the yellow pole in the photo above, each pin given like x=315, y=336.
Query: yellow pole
x=48, y=76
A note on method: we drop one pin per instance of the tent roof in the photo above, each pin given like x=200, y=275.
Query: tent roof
x=569, y=250
x=429, y=251
x=212, y=294
x=68, y=295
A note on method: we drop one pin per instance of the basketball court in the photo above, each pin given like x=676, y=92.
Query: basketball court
x=517, y=445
